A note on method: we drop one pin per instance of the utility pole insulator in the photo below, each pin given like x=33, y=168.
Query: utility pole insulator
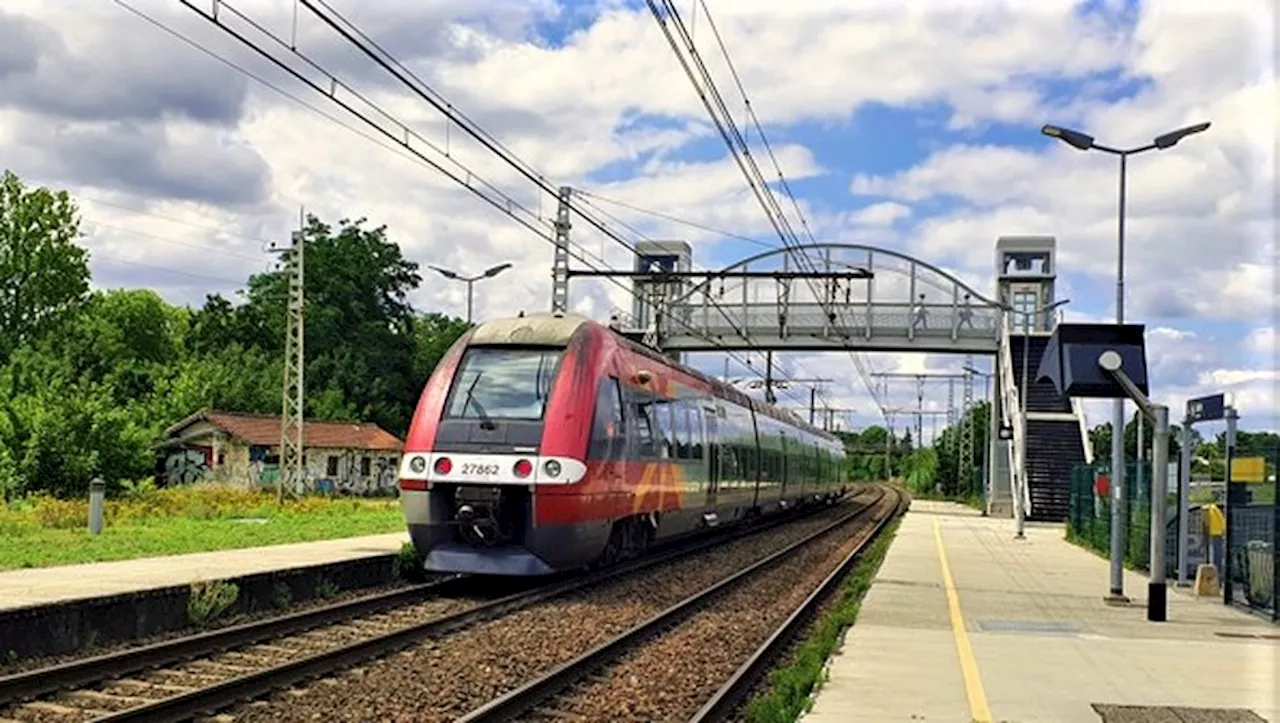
x=560, y=265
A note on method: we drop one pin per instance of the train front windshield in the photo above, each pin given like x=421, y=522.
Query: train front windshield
x=503, y=383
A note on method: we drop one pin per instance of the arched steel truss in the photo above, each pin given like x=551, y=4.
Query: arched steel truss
x=762, y=302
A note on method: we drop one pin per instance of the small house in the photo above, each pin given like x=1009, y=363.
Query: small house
x=244, y=449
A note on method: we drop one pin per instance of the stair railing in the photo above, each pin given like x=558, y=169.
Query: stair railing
x=1013, y=415
x=1077, y=408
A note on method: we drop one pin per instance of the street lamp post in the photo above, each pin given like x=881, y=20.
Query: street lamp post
x=1085, y=142
x=471, y=280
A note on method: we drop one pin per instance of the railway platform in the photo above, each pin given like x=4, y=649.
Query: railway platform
x=68, y=583
x=965, y=623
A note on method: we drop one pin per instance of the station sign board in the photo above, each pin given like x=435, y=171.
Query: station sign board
x=1208, y=408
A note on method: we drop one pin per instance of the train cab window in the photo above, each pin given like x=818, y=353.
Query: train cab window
x=503, y=383
x=608, y=430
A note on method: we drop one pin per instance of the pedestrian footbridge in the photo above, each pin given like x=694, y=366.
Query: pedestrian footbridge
x=822, y=297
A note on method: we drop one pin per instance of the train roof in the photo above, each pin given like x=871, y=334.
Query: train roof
x=557, y=329
x=550, y=329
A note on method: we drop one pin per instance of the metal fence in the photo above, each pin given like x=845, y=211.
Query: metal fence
x=1089, y=515
x=1252, y=574
x=1249, y=559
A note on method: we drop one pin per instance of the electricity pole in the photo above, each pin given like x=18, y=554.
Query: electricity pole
x=291, y=472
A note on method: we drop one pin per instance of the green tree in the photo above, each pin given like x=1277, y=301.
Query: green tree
x=359, y=324
x=46, y=274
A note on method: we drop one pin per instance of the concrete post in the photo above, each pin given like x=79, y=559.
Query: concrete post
x=1157, y=609
x=1184, y=501
x=1227, y=572
x=97, y=492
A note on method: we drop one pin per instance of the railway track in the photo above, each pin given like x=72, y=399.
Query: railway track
x=670, y=666
x=186, y=677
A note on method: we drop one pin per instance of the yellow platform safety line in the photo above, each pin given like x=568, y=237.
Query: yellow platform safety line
x=978, y=707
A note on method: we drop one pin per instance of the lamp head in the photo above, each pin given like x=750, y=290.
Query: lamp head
x=494, y=271
x=1170, y=139
x=1075, y=139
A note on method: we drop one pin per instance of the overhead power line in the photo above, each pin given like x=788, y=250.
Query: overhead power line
x=400, y=134
x=672, y=25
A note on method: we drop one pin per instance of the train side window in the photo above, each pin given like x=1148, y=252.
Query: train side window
x=664, y=437
x=608, y=431
x=643, y=429
x=681, y=410
x=695, y=432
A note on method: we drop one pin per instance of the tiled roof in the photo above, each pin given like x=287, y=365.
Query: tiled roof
x=265, y=430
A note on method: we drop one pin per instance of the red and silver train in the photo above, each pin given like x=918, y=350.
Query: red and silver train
x=548, y=442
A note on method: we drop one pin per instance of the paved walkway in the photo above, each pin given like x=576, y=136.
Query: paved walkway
x=965, y=623
x=42, y=586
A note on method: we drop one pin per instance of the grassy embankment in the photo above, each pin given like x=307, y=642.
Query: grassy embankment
x=789, y=687
x=43, y=531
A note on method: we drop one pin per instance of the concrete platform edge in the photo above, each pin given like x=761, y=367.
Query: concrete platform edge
x=73, y=625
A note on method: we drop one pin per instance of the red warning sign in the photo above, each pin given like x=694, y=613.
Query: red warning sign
x=1102, y=485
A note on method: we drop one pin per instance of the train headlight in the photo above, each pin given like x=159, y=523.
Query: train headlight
x=417, y=464
x=552, y=468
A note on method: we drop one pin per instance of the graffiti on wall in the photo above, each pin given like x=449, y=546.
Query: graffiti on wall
x=352, y=472
x=348, y=472
x=188, y=465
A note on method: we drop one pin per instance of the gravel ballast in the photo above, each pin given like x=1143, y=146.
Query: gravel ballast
x=444, y=678
x=671, y=676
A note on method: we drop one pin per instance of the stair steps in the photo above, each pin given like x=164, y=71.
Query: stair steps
x=1053, y=448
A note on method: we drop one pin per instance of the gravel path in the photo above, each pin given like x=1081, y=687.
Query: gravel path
x=442, y=679
x=670, y=677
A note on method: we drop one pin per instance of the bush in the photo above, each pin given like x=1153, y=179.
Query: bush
x=143, y=502
x=408, y=564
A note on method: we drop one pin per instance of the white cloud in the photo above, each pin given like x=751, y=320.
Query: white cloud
x=609, y=108
x=881, y=214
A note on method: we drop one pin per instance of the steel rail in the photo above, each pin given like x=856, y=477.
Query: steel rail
x=20, y=687
x=522, y=700
x=209, y=699
x=734, y=692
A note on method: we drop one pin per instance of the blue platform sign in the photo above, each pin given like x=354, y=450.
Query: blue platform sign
x=1206, y=408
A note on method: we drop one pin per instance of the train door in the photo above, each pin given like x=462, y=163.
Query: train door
x=711, y=463
x=609, y=440
x=784, y=472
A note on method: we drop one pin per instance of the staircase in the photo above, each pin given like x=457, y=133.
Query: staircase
x=1053, y=446
x=1042, y=397
x=1053, y=436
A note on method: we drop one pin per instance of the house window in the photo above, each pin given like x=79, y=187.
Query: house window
x=365, y=466
x=331, y=468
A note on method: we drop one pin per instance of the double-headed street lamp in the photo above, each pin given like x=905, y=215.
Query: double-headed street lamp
x=471, y=280
x=1085, y=142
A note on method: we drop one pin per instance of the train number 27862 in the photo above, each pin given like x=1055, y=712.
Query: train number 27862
x=473, y=468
